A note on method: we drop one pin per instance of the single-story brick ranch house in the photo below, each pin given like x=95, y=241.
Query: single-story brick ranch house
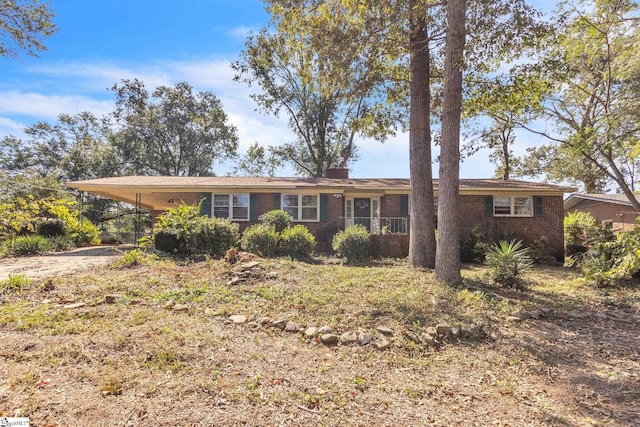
x=612, y=210
x=504, y=209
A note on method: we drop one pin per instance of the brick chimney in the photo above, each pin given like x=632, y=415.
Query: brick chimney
x=337, y=173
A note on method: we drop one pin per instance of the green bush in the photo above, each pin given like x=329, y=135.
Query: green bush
x=214, y=236
x=297, y=242
x=50, y=228
x=612, y=262
x=132, y=258
x=580, y=228
x=14, y=283
x=169, y=240
x=278, y=219
x=473, y=248
x=30, y=245
x=261, y=239
x=507, y=262
x=352, y=244
x=60, y=243
x=86, y=233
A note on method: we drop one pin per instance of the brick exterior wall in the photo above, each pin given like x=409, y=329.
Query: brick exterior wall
x=527, y=229
x=390, y=206
x=623, y=217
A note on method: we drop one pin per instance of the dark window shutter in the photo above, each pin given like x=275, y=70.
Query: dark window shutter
x=276, y=201
x=253, y=207
x=538, y=206
x=324, y=207
x=205, y=204
x=488, y=205
x=404, y=205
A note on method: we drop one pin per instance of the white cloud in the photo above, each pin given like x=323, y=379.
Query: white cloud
x=48, y=107
x=10, y=126
x=241, y=32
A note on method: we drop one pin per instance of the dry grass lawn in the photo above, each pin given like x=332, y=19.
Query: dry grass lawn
x=152, y=345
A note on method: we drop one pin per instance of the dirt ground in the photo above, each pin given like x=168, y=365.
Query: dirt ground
x=39, y=267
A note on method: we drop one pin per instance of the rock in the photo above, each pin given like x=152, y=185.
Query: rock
x=432, y=331
x=384, y=330
x=180, y=308
x=280, y=324
x=443, y=329
x=111, y=299
x=329, y=339
x=253, y=325
x=49, y=286
x=238, y=319
x=537, y=314
x=364, y=339
x=250, y=265
x=381, y=343
x=76, y=305
x=475, y=330
x=311, y=332
x=169, y=304
x=325, y=330
x=349, y=337
x=429, y=339
x=291, y=327
x=235, y=281
x=546, y=311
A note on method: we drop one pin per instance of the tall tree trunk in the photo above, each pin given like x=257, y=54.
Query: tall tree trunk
x=448, y=245
x=422, y=244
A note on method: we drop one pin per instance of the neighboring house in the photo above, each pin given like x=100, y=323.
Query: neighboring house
x=503, y=209
x=613, y=210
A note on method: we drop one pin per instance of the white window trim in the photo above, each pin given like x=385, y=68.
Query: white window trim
x=512, y=207
x=298, y=218
x=231, y=207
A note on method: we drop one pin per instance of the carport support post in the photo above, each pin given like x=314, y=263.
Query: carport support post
x=137, y=224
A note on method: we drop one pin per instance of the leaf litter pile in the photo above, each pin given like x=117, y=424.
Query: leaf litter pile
x=284, y=343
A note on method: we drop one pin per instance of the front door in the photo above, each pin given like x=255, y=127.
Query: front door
x=362, y=212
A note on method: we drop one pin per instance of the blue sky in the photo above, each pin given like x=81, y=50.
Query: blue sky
x=163, y=42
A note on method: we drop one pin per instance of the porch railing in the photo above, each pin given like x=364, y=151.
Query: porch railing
x=384, y=225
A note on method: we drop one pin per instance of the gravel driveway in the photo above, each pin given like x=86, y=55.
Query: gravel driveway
x=38, y=267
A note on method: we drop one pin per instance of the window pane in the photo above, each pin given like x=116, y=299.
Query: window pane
x=241, y=200
x=349, y=208
x=310, y=213
x=309, y=201
x=522, y=206
x=290, y=205
x=240, y=213
x=221, y=205
x=502, y=205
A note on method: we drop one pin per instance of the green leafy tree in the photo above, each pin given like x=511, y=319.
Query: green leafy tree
x=172, y=130
x=23, y=26
x=74, y=148
x=297, y=77
x=595, y=66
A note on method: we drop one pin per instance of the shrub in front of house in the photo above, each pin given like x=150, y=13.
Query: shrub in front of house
x=297, y=242
x=214, y=236
x=507, y=262
x=278, y=219
x=169, y=240
x=50, y=228
x=612, y=261
x=352, y=244
x=31, y=244
x=261, y=239
x=580, y=228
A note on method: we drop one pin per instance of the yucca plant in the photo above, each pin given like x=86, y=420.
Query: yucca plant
x=507, y=262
